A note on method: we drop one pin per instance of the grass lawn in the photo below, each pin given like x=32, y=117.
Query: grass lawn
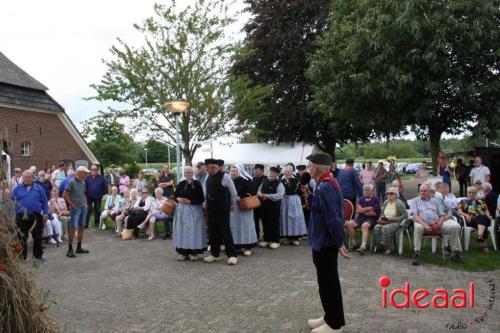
x=474, y=259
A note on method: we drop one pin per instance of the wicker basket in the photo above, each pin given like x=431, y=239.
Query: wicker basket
x=249, y=203
x=168, y=207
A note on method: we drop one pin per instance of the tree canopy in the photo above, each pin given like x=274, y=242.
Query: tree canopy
x=186, y=56
x=428, y=66
x=281, y=35
x=109, y=141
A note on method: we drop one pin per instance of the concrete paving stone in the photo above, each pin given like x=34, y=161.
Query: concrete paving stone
x=139, y=286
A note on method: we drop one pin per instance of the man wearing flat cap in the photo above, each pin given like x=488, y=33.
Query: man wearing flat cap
x=220, y=200
x=257, y=180
x=326, y=237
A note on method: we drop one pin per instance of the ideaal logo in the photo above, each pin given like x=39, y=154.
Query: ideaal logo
x=440, y=298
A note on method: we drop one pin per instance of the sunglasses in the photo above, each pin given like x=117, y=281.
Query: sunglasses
x=391, y=193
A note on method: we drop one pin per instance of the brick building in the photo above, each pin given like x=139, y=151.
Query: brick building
x=34, y=128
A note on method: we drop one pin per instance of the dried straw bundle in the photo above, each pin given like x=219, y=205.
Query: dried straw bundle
x=22, y=306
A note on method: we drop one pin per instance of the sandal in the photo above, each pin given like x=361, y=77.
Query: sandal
x=387, y=252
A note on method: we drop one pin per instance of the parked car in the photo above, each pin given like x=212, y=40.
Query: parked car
x=149, y=171
x=412, y=168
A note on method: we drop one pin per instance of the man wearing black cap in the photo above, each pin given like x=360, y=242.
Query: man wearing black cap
x=257, y=180
x=326, y=237
x=270, y=193
x=221, y=199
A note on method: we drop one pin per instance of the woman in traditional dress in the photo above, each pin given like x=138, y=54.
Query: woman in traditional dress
x=271, y=192
x=292, y=222
x=242, y=223
x=190, y=231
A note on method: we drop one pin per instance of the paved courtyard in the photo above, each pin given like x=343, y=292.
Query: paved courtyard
x=138, y=286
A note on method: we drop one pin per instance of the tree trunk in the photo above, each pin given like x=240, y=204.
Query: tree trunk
x=434, y=142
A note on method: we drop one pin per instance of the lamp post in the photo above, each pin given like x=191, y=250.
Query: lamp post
x=146, y=150
x=177, y=108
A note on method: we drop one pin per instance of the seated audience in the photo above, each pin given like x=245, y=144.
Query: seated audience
x=449, y=198
x=490, y=198
x=155, y=212
x=111, y=206
x=139, y=211
x=476, y=215
x=367, y=213
x=393, y=212
x=128, y=200
x=58, y=216
x=429, y=219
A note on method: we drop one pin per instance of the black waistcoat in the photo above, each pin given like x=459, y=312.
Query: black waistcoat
x=216, y=192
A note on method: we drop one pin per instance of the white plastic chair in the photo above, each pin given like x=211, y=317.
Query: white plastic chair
x=468, y=230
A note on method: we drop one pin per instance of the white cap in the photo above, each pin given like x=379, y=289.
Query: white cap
x=82, y=168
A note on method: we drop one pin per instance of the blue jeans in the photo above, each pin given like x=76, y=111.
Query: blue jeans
x=77, y=217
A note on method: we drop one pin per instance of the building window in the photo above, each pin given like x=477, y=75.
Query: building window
x=25, y=149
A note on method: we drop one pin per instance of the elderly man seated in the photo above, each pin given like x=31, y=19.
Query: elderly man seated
x=367, y=213
x=430, y=219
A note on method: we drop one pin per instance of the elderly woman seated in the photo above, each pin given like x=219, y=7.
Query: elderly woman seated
x=139, y=211
x=129, y=199
x=392, y=214
x=476, y=215
x=155, y=213
x=111, y=207
x=367, y=213
x=59, y=216
x=449, y=198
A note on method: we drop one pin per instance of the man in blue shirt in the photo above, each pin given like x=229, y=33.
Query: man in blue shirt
x=65, y=181
x=96, y=189
x=326, y=237
x=349, y=182
x=31, y=203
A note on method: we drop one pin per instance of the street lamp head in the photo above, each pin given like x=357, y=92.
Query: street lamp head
x=177, y=106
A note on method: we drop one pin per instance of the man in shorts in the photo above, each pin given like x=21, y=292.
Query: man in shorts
x=75, y=196
x=367, y=213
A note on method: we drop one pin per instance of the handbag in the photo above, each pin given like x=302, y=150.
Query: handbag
x=250, y=202
x=168, y=207
x=128, y=234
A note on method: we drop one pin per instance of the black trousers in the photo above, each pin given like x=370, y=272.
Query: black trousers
x=96, y=203
x=462, y=185
x=330, y=292
x=271, y=222
x=257, y=216
x=25, y=226
x=219, y=229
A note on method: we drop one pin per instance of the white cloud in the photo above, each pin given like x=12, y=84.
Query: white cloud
x=61, y=43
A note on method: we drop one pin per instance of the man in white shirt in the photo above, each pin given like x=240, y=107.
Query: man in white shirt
x=480, y=172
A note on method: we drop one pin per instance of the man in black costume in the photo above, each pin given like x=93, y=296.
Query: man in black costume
x=220, y=200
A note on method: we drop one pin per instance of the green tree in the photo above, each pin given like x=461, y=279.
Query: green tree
x=430, y=65
x=186, y=56
x=280, y=37
x=157, y=152
x=109, y=141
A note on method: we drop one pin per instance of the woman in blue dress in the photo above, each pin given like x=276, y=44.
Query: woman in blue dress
x=190, y=231
x=292, y=221
x=242, y=222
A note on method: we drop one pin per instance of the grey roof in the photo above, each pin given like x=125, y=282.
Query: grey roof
x=11, y=74
x=39, y=99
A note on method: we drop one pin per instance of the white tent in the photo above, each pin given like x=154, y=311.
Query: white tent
x=7, y=168
x=251, y=153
